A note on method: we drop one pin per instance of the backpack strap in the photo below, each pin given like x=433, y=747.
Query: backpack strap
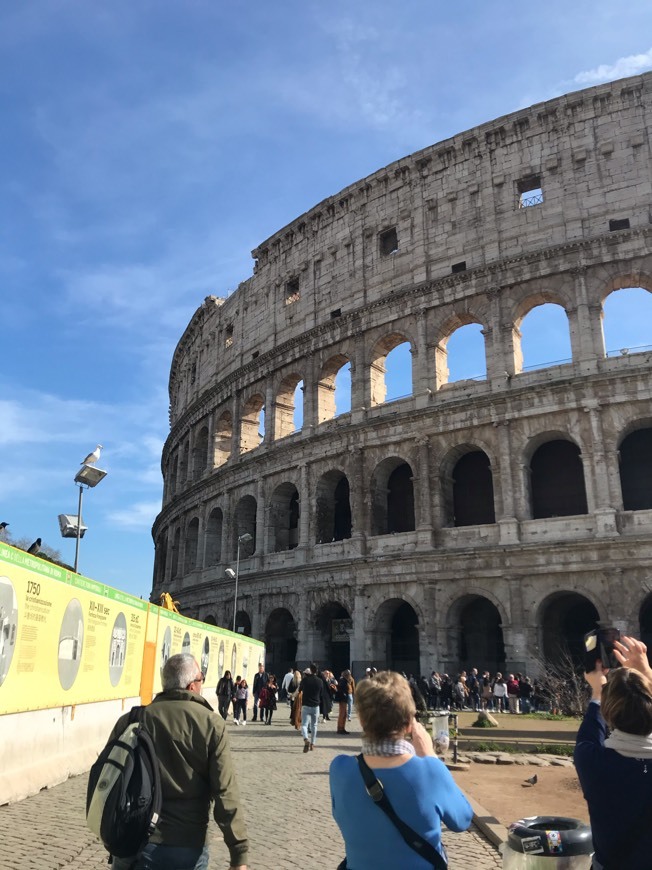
x=414, y=840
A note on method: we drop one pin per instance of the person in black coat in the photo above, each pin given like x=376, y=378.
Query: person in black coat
x=260, y=680
x=326, y=702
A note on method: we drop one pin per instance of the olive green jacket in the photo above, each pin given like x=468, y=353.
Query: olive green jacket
x=196, y=766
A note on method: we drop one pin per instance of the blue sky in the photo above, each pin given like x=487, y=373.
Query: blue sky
x=148, y=147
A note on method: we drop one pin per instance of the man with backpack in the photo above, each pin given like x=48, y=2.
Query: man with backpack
x=195, y=766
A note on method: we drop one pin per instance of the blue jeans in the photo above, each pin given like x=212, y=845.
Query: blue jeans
x=349, y=706
x=309, y=715
x=157, y=856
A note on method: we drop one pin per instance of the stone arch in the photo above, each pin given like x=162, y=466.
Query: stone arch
x=213, y=537
x=630, y=332
x=326, y=398
x=333, y=507
x=200, y=453
x=392, y=497
x=244, y=522
x=542, y=321
x=451, y=325
x=243, y=623
x=556, y=478
x=250, y=423
x=395, y=636
x=635, y=458
x=176, y=547
x=284, y=405
x=173, y=472
x=284, y=518
x=280, y=641
x=161, y=557
x=223, y=438
x=331, y=648
x=183, y=464
x=211, y=619
x=476, y=633
x=192, y=546
x=467, y=486
x=378, y=369
x=523, y=306
x=563, y=619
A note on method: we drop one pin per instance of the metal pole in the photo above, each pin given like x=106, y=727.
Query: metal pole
x=237, y=572
x=79, y=515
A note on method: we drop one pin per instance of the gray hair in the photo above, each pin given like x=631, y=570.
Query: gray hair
x=179, y=671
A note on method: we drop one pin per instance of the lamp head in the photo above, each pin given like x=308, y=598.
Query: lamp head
x=229, y=573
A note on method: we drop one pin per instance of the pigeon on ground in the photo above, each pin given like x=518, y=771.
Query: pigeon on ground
x=533, y=780
x=92, y=458
x=35, y=547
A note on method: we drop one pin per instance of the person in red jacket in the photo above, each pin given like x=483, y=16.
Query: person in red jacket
x=513, y=692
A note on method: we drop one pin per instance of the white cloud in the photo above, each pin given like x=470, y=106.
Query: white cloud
x=631, y=65
x=137, y=518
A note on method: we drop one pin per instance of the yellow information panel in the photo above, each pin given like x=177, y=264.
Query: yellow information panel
x=216, y=649
x=65, y=639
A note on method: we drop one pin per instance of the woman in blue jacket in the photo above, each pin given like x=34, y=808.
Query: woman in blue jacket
x=419, y=786
x=615, y=772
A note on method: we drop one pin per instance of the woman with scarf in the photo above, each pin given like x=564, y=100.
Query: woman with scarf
x=615, y=772
x=399, y=752
x=224, y=691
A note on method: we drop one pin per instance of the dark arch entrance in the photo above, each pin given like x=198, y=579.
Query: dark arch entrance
x=557, y=480
x=473, y=490
x=280, y=641
x=333, y=508
x=333, y=622
x=210, y=619
x=567, y=617
x=396, y=637
x=636, y=470
x=392, y=492
x=243, y=623
x=480, y=635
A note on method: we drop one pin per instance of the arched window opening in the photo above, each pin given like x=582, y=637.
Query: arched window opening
x=395, y=638
x=333, y=508
x=200, y=453
x=627, y=321
x=392, y=493
x=636, y=470
x=210, y=620
x=391, y=369
x=243, y=623
x=176, y=546
x=174, y=467
x=334, y=388
x=253, y=418
x=161, y=558
x=544, y=338
x=462, y=356
x=334, y=625
x=473, y=490
x=284, y=519
x=223, y=438
x=244, y=522
x=567, y=617
x=192, y=539
x=480, y=635
x=280, y=642
x=557, y=481
x=183, y=468
x=214, y=528
x=289, y=406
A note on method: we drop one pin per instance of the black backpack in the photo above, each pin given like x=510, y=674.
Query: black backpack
x=123, y=800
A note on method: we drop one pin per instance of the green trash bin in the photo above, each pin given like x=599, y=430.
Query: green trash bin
x=548, y=843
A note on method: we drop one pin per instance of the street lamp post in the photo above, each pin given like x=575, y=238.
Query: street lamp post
x=88, y=476
x=234, y=575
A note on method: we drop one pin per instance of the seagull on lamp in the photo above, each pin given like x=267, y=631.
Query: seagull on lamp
x=34, y=548
x=93, y=457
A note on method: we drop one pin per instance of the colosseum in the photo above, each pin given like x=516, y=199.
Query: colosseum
x=486, y=521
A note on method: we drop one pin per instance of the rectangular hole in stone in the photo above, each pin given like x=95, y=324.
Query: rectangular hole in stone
x=458, y=267
x=618, y=224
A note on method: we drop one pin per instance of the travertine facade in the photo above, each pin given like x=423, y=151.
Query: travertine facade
x=478, y=522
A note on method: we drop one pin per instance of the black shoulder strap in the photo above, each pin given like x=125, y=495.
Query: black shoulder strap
x=415, y=841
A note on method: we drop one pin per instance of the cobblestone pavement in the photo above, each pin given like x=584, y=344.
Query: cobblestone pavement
x=286, y=798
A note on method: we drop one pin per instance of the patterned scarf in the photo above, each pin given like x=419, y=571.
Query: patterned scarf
x=387, y=748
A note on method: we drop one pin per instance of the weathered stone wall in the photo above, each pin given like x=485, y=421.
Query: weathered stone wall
x=349, y=280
